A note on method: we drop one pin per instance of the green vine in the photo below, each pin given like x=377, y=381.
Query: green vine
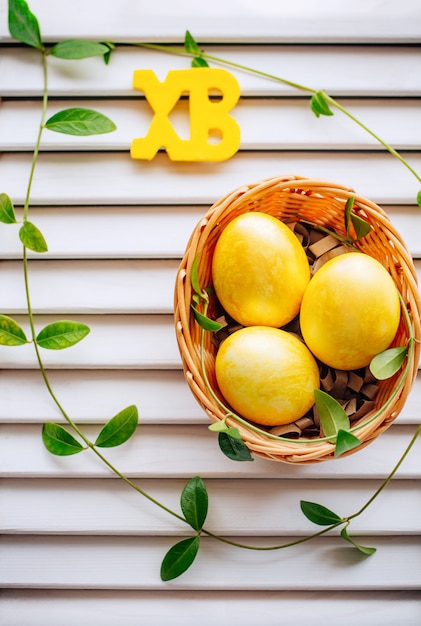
x=319, y=101
x=24, y=27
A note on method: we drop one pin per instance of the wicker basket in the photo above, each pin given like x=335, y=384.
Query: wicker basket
x=322, y=203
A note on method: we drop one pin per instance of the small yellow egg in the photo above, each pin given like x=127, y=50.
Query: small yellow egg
x=350, y=311
x=267, y=375
x=259, y=270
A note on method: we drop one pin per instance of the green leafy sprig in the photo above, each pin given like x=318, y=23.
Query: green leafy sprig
x=24, y=27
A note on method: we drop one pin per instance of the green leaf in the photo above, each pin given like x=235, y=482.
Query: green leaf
x=234, y=433
x=319, y=104
x=119, y=428
x=363, y=549
x=218, y=427
x=58, y=441
x=23, y=25
x=347, y=213
x=179, y=558
x=194, y=276
x=319, y=514
x=199, y=62
x=221, y=427
x=388, y=362
x=235, y=449
x=206, y=322
x=345, y=441
x=62, y=334
x=80, y=122
x=190, y=44
x=332, y=416
x=194, y=502
x=11, y=334
x=419, y=198
x=78, y=49
x=107, y=55
x=361, y=227
x=32, y=237
x=7, y=212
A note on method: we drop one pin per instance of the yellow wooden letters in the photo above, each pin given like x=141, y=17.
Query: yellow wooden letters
x=207, y=116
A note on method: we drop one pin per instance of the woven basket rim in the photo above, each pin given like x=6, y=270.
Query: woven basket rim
x=287, y=195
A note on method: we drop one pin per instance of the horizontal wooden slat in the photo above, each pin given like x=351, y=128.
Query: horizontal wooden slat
x=111, y=179
x=405, y=221
x=93, y=396
x=131, y=232
x=275, y=509
x=143, y=232
x=127, y=341
x=265, y=125
x=80, y=287
x=21, y=607
x=395, y=70
x=219, y=21
x=134, y=564
x=180, y=451
x=90, y=286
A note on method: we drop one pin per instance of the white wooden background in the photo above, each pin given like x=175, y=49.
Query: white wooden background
x=78, y=546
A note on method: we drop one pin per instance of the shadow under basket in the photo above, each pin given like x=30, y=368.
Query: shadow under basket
x=294, y=199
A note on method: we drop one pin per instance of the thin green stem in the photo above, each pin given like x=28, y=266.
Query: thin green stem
x=38, y=140
x=225, y=62
x=68, y=419
x=34, y=341
x=385, y=145
x=284, y=81
x=133, y=485
x=389, y=478
x=345, y=520
x=289, y=544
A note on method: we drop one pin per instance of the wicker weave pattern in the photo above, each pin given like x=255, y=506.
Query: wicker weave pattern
x=293, y=198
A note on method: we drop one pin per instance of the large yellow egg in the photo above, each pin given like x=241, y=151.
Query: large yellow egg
x=350, y=311
x=259, y=270
x=267, y=375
